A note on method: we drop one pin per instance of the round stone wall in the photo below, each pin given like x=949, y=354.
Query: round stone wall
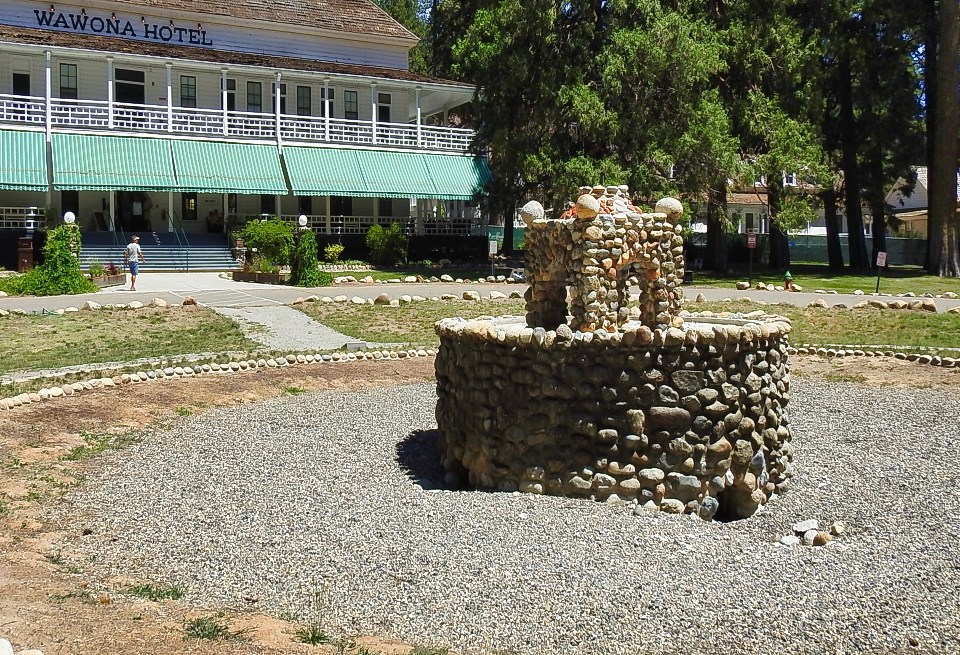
x=690, y=419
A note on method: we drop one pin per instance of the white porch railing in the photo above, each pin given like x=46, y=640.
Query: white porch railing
x=22, y=109
x=101, y=115
x=360, y=224
x=21, y=218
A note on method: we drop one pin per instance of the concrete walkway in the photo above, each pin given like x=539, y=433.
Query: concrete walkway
x=212, y=290
x=282, y=328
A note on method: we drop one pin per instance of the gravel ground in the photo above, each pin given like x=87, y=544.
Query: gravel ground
x=283, y=500
x=282, y=328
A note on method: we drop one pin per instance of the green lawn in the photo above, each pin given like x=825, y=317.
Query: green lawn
x=90, y=337
x=413, y=323
x=407, y=324
x=898, y=279
x=857, y=327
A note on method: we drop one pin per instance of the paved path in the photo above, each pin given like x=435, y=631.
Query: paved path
x=281, y=328
x=212, y=290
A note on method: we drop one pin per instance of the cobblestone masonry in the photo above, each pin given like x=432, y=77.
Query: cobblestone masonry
x=681, y=416
x=596, y=256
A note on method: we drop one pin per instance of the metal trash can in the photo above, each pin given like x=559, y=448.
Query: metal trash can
x=24, y=254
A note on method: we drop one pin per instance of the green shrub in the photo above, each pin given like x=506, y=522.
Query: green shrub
x=60, y=272
x=272, y=238
x=333, y=252
x=387, y=246
x=303, y=264
x=96, y=269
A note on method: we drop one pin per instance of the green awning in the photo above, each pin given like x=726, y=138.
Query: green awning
x=379, y=174
x=213, y=167
x=106, y=163
x=23, y=161
x=325, y=172
x=458, y=177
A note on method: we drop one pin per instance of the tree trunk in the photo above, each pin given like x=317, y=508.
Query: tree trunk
x=942, y=177
x=851, y=171
x=930, y=39
x=715, y=258
x=779, y=244
x=878, y=209
x=834, y=251
x=507, y=209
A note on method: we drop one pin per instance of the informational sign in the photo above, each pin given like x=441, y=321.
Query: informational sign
x=751, y=240
x=493, y=248
x=881, y=259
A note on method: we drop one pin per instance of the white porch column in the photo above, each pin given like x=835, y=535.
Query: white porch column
x=170, y=227
x=327, y=212
x=376, y=211
x=419, y=121
x=47, y=91
x=276, y=109
x=327, y=107
x=110, y=92
x=169, y=97
x=113, y=212
x=373, y=109
x=223, y=98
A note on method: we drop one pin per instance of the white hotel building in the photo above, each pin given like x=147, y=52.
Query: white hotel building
x=246, y=107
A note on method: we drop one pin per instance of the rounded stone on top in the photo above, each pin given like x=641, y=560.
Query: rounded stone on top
x=669, y=206
x=587, y=207
x=599, y=190
x=532, y=211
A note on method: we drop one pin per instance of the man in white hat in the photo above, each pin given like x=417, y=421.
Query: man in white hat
x=134, y=257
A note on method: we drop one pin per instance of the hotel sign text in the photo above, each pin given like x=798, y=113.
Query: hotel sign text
x=113, y=26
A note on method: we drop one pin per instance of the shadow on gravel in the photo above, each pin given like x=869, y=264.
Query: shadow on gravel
x=419, y=457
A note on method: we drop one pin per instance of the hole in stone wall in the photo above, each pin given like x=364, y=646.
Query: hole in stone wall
x=731, y=500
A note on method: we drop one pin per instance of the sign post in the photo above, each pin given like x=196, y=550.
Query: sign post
x=493, y=253
x=751, y=246
x=881, y=262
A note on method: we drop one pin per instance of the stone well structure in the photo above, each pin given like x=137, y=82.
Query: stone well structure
x=615, y=401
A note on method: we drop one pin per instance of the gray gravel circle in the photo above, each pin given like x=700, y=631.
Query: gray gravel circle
x=272, y=504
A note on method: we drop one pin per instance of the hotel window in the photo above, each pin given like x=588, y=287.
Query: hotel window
x=304, y=101
x=325, y=102
x=254, y=96
x=350, y=105
x=188, y=91
x=283, y=98
x=68, y=81
x=231, y=94
x=383, y=107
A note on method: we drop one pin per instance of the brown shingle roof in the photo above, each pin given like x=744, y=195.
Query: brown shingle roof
x=759, y=198
x=354, y=16
x=112, y=44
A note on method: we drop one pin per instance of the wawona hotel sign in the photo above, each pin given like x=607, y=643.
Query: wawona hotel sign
x=111, y=25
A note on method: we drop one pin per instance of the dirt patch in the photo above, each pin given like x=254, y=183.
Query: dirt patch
x=47, y=449
x=875, y=371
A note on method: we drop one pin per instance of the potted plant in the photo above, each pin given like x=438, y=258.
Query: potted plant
x=105, y=276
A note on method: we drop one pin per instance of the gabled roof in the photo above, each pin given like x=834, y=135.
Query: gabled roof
x=896, y=197
x=353, y=16
x=111, y=44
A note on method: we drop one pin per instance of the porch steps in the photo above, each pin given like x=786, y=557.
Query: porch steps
x=206, y=252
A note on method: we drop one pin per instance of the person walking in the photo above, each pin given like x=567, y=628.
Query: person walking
x=134, y=257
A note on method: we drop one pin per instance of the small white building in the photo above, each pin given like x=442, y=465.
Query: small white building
x=911, y=210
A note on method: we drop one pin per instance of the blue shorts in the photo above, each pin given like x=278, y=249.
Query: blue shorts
x=134, y=267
